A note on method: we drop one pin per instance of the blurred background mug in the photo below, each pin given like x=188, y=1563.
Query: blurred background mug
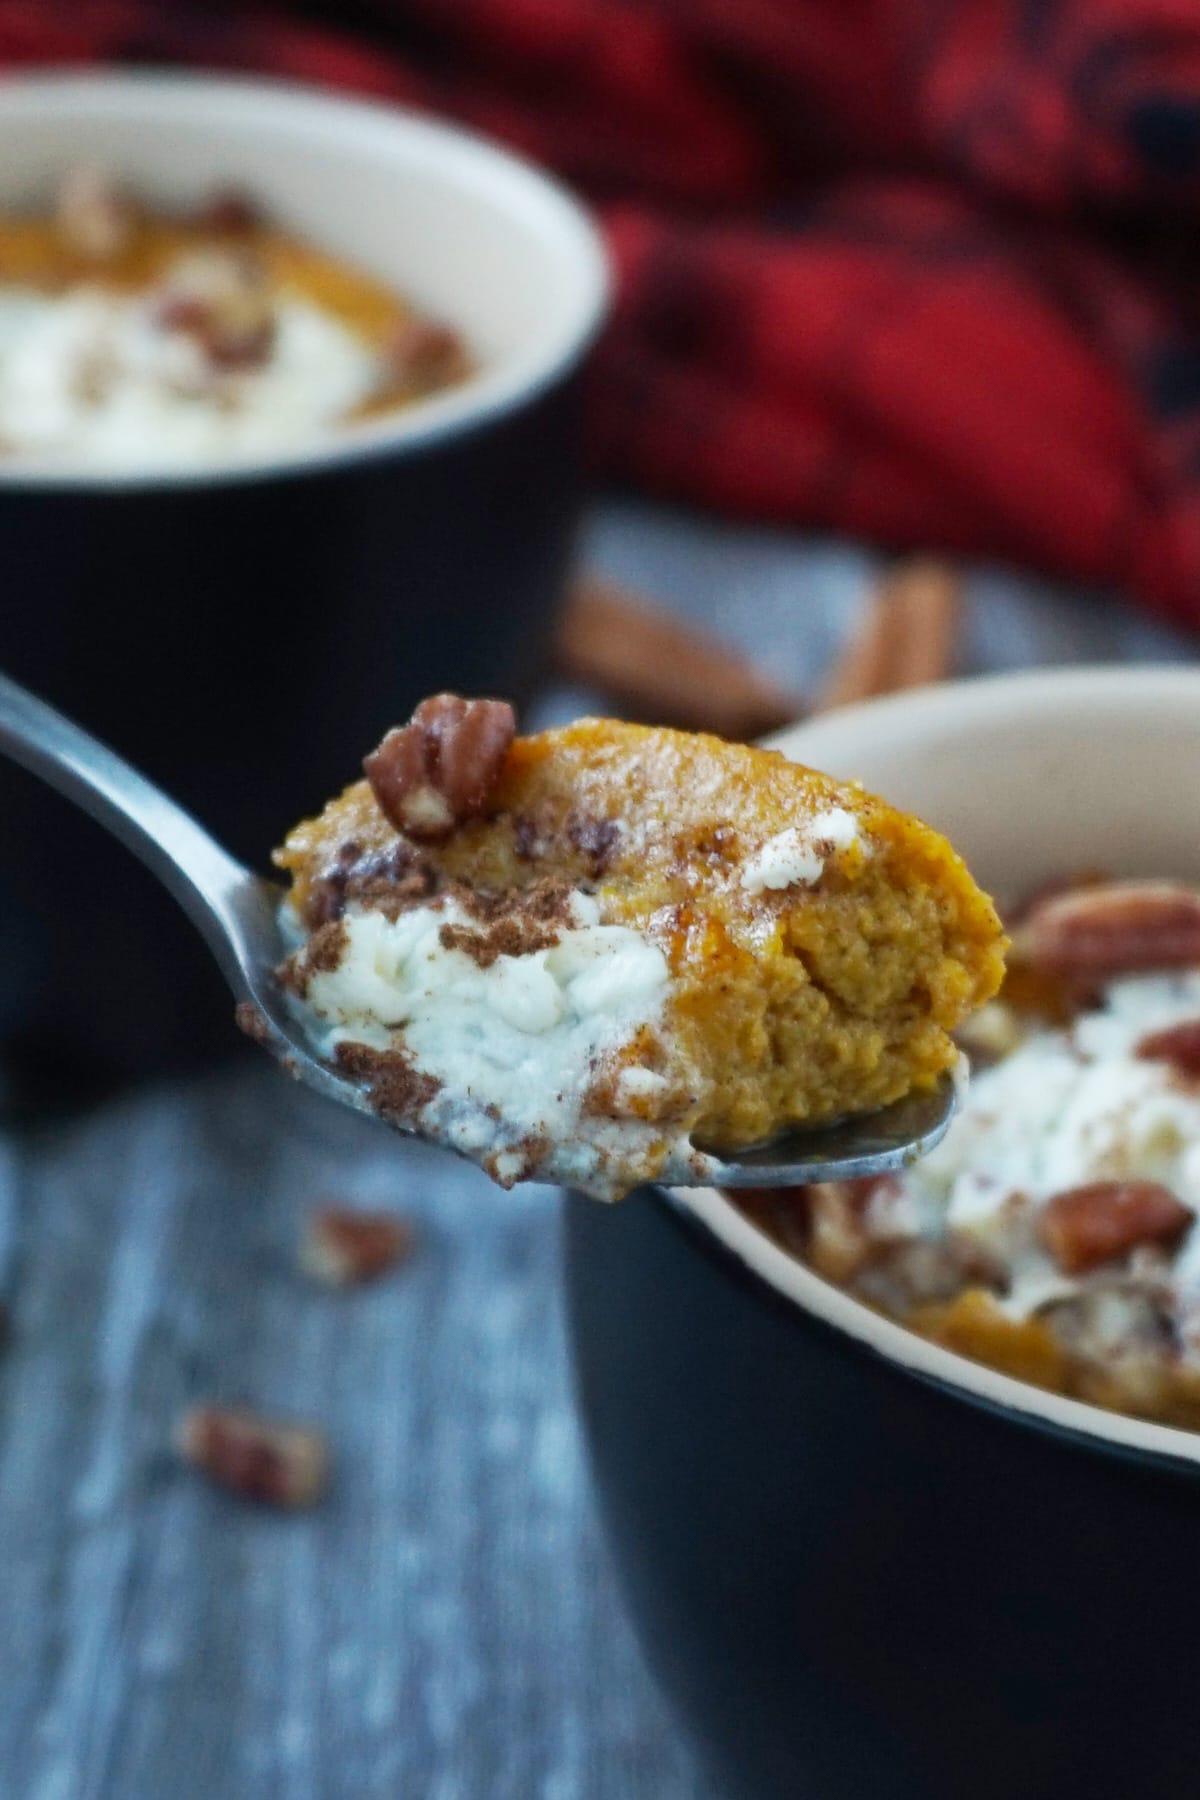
x=245, y=635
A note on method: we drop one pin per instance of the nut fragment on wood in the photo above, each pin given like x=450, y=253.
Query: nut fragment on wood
x=439, y=770
x=907, y=637
x=343, y=1248
x=1120, y=928
x=1086, y=1226
x=260, y=1459
x=96, y=219
x=658, y=669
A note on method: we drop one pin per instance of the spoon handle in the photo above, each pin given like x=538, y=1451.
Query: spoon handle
x=202, y=877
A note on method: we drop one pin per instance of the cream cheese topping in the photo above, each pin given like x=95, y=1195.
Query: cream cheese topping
x=94, y=377
x=515, y=1046
x=1064, y=1109
x=797, y=857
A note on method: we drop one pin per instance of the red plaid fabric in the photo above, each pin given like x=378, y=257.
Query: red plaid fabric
x=923, y=271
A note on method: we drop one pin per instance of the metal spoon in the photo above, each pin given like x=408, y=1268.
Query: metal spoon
x=237, y=914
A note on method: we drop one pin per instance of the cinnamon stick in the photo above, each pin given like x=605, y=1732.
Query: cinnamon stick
x=907, y=637
x=654, y=667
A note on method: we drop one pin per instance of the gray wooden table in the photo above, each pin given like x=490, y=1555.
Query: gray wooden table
x=445, y=1626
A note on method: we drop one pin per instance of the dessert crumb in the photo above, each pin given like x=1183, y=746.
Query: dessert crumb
x=253, y=1022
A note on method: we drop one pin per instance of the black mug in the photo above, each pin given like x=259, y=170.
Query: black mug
x=865, y=1567
x=857, y=1582
x=246, y=634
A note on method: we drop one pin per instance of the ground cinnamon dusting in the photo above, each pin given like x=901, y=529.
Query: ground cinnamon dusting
x=325, y=948
x=399, y=1090
x=389, y=881
x=513, y=921
x=319, y=955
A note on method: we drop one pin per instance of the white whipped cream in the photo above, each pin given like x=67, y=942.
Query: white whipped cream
x=93, y=378
x=515, y=1045
x=797, y=857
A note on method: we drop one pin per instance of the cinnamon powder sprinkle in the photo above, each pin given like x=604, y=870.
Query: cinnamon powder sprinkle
x=516, y=922
x=399, y=1090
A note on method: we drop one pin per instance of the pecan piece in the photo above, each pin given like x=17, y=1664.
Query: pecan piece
x=227, y=212
x=420, y=357
x=96, y=220
x=260, y=1459
x=222, y=299
x=1085, y=1226
x=1095, y=933
x=1014, y=914
x=440, y=769
x=342, y=1247
x=1178, y=1045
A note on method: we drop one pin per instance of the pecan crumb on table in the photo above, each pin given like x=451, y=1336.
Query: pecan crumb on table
x=344, y=1247
x=278, y=1463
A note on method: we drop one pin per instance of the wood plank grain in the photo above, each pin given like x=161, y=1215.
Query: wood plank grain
x=443, y=1624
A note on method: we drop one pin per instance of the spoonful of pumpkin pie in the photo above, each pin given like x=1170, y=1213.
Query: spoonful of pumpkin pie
x=609, y=953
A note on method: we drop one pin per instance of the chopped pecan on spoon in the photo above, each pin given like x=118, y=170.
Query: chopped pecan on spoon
x=439, y=770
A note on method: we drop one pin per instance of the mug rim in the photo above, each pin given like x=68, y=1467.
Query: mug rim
x=1117, y=687
x=511, y=180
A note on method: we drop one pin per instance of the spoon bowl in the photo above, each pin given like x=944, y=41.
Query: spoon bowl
x=238, y=914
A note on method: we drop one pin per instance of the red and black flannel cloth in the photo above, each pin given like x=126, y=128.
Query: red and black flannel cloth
x=923, y=271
